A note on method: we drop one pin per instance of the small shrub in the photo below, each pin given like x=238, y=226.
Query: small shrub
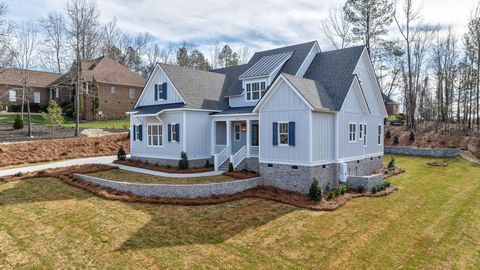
x=330, y=195
x=207, y=164
x=411, y=137
x=396, y=140
x=391, y=163
x=183, y=162
x=315, y=192
x=230, y=167
x=121, y=154
x=343, y=188
x=387, y=184
x=336, y=191
x=18, y=123
x=18, y=174
x=169, y=166
x=374, y=189
x=388, y=134
x=360, y=189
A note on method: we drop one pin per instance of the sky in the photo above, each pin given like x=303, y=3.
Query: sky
x=252, y=23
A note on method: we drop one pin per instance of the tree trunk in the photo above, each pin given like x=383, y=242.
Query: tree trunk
x=29, y=120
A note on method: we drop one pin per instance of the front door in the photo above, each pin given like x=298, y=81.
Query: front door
x=255, y=137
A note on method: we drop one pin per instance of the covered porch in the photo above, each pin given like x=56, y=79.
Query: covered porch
x=234, y=139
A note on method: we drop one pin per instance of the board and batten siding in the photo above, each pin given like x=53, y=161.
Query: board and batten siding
x=369, y=84
x=323, y=136
x=198, y=131
x=284, y=106
x=148, y=95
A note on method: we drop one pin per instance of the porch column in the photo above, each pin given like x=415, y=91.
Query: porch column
x=249, y=136
x=213, y=137
x=229, y=131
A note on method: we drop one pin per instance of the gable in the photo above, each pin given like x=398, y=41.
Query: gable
x=354, y=101
x=147, y=98
x=282, y=97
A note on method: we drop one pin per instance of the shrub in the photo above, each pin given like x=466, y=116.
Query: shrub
x=388, y=134
x=343, y=188
x=121, y=155
x=53, y=115
x=230, y=167
x=411, y=137
x=331, y=195
x=387, y=184
x=183, y=162
x=336, y=191
x=207, y=164
x=18, y=174
x=391, y=163
x=374, y=189
x=396, y=140
x=315, y=192
x=18, y=123
x=360, y=189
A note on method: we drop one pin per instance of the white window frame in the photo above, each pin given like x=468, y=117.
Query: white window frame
x=235, y=132
x=132, y=90
x=160, y=91
x=159, y=135
x=173, y=131
x=249, y=90
x=379, y=134
x=352, y=134
x=12, y=95
x=365, y=135
x=283, y=133
x=137, y=133
x=360, y=131
x=37, y=98
x=113, y=89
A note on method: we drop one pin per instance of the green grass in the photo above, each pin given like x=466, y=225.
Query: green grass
x=132, y=177
x=38, y=119
x=432, y=222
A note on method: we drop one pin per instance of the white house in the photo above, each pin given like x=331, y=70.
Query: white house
x=291, y=113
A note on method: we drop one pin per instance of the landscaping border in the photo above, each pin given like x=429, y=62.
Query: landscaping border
x=424, y=152
x=175, y=191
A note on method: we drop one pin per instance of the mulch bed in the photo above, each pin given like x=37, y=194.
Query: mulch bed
x=268, y=192
x=165, y=169
x=437, y=164
x=389, y=172
x=242, y=174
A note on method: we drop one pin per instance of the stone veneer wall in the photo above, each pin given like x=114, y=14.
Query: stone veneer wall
x=425, y=152
x=175, y=191
x=193, y=163
x=368, y=182
x=251, y=164
x=365, y=166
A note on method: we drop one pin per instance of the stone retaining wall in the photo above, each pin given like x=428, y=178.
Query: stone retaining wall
x=425, y=152
x=192, y=163
x=175, y=191
x=368, y=182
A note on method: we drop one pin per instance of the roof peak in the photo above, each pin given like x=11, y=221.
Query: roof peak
x=288, y=46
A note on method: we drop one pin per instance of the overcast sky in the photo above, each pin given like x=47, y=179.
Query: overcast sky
x=252, y=23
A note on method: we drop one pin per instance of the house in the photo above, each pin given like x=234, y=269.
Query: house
x=291, y=113
x=38, y=84
x=118, y=88
x=392, y=106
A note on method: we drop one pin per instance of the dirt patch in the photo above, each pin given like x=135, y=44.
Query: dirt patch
x=437, y=164
x=61, y=149
x=153, y=167
x=242, y=174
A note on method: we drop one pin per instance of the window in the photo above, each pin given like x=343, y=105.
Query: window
x=360, y=131
x=155, y=137
x=136, y=129
x=12, y=95
x=365, y=135
x=379, y=135
x=237, y=130
x=132, y=93
x=283, y=133
x=113, y=89
x=255, y=91
x=352, y=132
x=173, y=132
x=57, y=93
x=36, y=97
x=161, y=91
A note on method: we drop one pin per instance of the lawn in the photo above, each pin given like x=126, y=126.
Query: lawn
x=432, y=222
x=9, y=118
x=132, y=177
x=38, y=119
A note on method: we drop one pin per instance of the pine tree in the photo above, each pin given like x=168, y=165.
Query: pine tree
x=53, y=116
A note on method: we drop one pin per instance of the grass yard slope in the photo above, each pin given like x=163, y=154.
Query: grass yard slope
x=432, y=222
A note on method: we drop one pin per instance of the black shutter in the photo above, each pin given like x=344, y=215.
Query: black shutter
x=164, y=88
x=156, y=92
x=177, y=132
x=140, y=132
x=275, y=133
x=169, y=132
x=134, y=127
x=291, y=133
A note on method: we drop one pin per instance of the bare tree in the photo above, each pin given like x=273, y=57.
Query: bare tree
x=244, y=54
x=53, y=26
x=337, y=29
x=82, y=17
x=25, y=50
x=6, y=28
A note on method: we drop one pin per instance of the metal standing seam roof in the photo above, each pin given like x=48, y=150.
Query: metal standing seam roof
x=266, y=65
x=154, y=109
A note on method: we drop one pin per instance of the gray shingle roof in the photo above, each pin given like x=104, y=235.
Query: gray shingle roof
x=313, y=91
x=200, y=89
x=300, y=52
x=154, y=109
x=334, y=70
x=266, y=65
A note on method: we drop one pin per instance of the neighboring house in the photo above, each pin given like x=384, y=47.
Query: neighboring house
x=38, y=84
x=391, y=105
x=118, y=88
x=291, y=113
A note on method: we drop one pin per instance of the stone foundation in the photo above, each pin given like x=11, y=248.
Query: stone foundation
x=365, y=166
x=194, y=163
x=250, y=164
x=368, y=182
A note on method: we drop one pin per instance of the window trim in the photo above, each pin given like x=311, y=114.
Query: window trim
x=279, y=133
x=137, y=132
x=130, y=93
x=172, y=131
x=360, y=131
x=379, y=134
x=350, y=132
x=261, y=92
x=39, y=97
x=14, y=99
x=113, y=89
x=159, y=90
x=239, y=133
x=365, y=141
x=160, y=136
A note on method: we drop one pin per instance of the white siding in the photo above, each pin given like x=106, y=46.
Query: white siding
x=148, y=93
x=198, y=134
x=323, y=136
x=284, y=105
x=369, y=85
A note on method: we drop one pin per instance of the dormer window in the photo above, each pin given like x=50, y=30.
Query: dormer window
x=255, y=90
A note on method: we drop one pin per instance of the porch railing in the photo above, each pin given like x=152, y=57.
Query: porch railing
x=221, y=157
x=219, y=148
x=239, y=156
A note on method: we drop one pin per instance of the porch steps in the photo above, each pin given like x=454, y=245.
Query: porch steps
x=224, y=166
